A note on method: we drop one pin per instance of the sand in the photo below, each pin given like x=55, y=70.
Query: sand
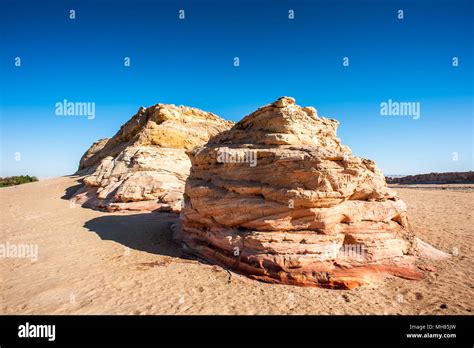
x=92, y=262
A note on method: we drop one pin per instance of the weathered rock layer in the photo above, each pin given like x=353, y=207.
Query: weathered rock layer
x=280, y=199
x=144, y=166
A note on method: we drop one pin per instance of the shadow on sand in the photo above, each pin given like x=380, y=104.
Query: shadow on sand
x=148, y=232
x=71, y=190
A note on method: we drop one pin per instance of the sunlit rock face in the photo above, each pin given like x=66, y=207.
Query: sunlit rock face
x=144, y=166
x=280, y=199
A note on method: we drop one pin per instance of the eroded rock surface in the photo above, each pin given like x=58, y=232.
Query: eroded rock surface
x=144, y=166
x=280, y=199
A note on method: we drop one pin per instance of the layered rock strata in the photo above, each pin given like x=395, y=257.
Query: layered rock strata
x=280, y=199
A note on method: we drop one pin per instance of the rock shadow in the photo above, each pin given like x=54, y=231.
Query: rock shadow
x=70, y=191
x=149, y=232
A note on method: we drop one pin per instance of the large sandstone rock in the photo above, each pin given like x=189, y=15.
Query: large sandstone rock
x=144, y=166
x=280, y=199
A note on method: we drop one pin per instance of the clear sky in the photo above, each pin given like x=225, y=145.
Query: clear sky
x=191, y=62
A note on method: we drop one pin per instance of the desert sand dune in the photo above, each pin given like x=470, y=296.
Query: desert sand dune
x=92, y=262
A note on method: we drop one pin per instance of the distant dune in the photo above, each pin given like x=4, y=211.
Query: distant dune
x=434, y=178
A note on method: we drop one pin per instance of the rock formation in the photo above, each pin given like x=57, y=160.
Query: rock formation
x=144, y=166
x=435, y=178
x=280, y=199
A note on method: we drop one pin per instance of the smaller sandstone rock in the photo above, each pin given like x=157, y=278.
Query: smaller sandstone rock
x=144, y=166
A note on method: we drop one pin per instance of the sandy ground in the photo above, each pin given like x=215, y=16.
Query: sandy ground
x=92, y=262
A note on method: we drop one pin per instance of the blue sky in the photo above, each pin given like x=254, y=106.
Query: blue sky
x=190, y=62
